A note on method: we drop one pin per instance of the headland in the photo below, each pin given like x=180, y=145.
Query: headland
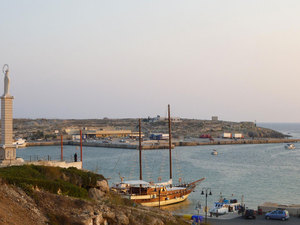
x=122, y=133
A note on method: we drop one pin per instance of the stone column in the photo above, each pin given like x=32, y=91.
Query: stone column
x=7, y=149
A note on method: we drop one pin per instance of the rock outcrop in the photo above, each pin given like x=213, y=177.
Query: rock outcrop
x=40, y=207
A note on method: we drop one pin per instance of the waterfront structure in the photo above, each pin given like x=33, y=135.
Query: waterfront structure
x=227, y=135
x=7, y=149
x=135, y=135
x=99, y=133
x=238, y=136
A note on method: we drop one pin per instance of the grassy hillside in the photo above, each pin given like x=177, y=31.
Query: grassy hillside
x=71, y=181
x=51, y=195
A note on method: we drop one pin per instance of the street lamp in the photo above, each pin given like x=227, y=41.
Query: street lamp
x=198, y=207
x=202, y=193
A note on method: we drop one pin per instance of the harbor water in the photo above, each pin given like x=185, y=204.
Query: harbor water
x=261, y=173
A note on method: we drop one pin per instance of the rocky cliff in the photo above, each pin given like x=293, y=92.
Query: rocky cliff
x=45, y=195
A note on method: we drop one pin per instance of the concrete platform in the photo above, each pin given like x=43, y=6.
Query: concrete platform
x=20, y=162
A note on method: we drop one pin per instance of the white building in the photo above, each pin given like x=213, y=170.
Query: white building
x=159, y=118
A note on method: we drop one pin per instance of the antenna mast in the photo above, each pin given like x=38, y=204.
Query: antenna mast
x=140, y=149
x=170, y=142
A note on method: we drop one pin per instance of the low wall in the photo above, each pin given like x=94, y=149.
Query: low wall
x=45, y=143
x=62, y=164
x=20, y=162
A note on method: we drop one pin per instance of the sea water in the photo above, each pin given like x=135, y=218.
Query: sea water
x=259, y=172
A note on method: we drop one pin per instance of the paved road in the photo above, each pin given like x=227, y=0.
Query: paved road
x=260, y=220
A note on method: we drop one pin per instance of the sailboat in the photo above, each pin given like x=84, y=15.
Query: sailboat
x=155, y=194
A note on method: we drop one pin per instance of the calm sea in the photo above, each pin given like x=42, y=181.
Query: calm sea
x=260, y=173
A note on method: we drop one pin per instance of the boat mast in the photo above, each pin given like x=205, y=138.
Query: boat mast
x=140, y=149
x=170, y=142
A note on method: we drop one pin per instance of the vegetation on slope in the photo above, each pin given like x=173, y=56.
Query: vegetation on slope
x=41, y=204
x=71, y=181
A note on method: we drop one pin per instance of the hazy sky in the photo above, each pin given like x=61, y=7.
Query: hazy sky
x=237, y=59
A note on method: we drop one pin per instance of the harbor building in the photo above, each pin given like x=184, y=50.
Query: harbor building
x=99, y=133
x=214, y=118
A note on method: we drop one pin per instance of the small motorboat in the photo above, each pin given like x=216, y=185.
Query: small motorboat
x=20, y=143
x=289, y=146
x=214, y=152
x=224, y=206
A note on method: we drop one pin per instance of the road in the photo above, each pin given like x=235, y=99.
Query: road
x=260, y=220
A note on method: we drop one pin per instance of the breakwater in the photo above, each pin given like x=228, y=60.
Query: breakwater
x=163, y=145
x=236, y=142
x=125, y=145
x=97, y=144
x=45, y=143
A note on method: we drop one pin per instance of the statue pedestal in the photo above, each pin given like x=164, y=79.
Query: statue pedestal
x=7, y=149
x=7, y=152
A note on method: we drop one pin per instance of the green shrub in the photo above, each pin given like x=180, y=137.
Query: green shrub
x=116, y=199
x=71, y=181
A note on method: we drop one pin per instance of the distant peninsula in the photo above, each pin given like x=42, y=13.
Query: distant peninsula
x=181, y=129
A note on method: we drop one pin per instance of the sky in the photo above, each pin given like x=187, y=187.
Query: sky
x=238, y=60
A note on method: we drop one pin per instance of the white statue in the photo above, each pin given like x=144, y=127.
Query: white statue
x=6, y=80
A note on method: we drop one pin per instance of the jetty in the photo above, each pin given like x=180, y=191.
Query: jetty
x=163, y=145
x=236, y=142
x=104, y=145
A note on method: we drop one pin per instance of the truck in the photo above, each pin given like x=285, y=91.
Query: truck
x=205, y=136
x=159, y=136
x=238, y=136
x=227, y=135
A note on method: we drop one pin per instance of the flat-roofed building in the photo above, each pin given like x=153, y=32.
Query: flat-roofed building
x=135, y=135
x=98, y=133
x=214, y=118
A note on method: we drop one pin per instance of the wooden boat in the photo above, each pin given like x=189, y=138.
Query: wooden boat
x=155, y=194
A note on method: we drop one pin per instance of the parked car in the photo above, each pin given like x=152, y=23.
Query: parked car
x=278, y=214
x=250, y=214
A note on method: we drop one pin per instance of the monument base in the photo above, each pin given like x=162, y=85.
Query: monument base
x=7, y=152
x=15, y=162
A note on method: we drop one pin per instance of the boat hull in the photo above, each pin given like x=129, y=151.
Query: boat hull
x=153, y=200
x=155, y=195
x=166, y=202
x=166, y=196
